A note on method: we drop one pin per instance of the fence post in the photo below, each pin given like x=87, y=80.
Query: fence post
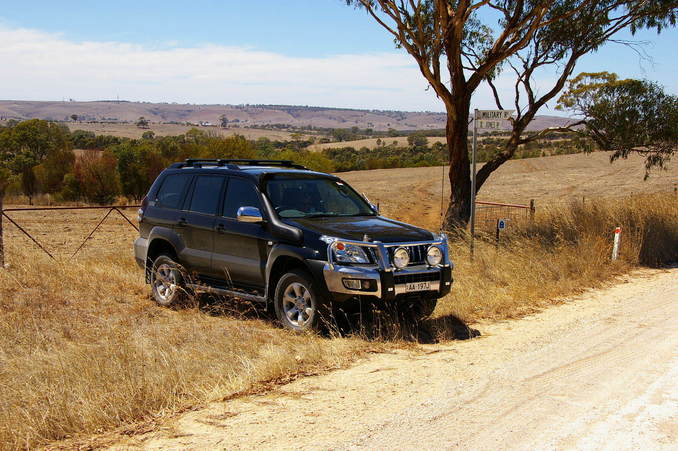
x=615, y=245
x=532, y=210
x=2, y=245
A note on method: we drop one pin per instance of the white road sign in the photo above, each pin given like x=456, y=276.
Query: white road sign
x=494, y=114
x=491, y=125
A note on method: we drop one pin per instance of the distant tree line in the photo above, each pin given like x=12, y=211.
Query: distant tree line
x=38, y=157
x=418, y=152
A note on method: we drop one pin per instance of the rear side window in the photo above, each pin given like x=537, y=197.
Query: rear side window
x=206, y=194
x=240, y=193
x=172, y=190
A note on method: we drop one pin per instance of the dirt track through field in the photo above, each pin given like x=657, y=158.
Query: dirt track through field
x=599, y=371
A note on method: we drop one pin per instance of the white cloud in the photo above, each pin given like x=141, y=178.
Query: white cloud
x=43, y=66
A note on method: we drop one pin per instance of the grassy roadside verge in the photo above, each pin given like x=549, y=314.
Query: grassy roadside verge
x=566, y=250
x=83, y=350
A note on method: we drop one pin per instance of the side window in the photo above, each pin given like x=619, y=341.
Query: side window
x=240, y=193
x=206, y=194
x=172, y=190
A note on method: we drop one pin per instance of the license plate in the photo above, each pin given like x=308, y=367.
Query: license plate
x=418, y=286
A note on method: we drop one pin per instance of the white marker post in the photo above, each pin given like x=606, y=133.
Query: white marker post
x=615, y=246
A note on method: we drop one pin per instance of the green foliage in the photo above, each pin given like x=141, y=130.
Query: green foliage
x=418, y=142
x=312, y=160
x=82, y=139
x=35, y=147
x=223, y=121
x=625, y=116
x=29, y=183
x=142, y=122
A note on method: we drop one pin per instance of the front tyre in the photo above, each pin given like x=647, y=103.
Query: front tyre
x=167, y=282
x=297, y=303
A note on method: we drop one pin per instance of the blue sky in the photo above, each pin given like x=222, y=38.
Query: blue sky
x=312, y=52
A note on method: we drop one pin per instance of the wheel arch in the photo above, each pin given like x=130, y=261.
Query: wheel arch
x=278, y=267
x=162, y=240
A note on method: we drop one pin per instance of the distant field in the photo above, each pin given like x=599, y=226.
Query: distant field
x=413, y=194
x=371, y=143
x=132, y=131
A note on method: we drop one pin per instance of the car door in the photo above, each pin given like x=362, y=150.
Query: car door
x=240, y=248
x=164, y=209
x=196, y=224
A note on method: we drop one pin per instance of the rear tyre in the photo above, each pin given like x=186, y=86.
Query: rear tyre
x=167, y=281
x=298, y=304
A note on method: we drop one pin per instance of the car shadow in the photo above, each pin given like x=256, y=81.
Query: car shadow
x=392, y=325
x=371, y=324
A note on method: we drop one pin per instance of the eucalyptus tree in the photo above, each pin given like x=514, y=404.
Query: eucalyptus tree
x=625, y=116
x=460, y=45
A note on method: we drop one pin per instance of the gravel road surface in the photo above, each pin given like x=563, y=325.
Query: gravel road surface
x=599, y=371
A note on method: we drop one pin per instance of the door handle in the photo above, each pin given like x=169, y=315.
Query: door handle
x=182, y=222
x=221, y=228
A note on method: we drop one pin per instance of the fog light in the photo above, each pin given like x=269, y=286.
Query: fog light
x=352, y=284
x=360, y=284
x=434, y=256
x=401, y=258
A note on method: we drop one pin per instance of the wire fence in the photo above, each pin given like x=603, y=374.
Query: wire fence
x=9, y=214
x=489, y=213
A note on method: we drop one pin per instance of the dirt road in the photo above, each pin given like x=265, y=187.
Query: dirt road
x=597, y=372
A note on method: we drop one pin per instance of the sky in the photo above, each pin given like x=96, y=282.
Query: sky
x=297, y=52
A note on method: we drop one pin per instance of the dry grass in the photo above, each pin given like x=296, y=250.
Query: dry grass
x=565, y=250
x=83, y=349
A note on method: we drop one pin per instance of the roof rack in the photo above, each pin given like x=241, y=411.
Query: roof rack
x=236, y=163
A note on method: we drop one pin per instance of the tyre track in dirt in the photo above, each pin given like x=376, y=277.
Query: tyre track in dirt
x=599, y=371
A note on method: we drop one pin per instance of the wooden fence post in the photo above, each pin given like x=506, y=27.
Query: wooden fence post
x=2, y=245
x=532, y=210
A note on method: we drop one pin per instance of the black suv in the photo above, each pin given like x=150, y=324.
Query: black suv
x=276, y=232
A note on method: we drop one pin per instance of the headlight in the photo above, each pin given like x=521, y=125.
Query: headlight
x=434, y=256
x=349, y=253
x=401, y=258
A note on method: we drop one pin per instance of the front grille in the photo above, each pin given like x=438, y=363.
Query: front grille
x=417, y=253
x=413, y=278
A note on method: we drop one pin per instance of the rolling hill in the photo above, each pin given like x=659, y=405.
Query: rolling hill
x=238, y=115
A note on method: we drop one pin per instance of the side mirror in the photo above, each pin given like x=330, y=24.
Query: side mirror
x=375, y=207
x=249, y=214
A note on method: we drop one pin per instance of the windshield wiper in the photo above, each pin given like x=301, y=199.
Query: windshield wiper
x=320, y=215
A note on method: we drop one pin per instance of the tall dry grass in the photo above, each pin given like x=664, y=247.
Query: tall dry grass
x=83, y=349
x=565, y=250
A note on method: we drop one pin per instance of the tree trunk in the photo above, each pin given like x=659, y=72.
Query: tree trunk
x=459, y=210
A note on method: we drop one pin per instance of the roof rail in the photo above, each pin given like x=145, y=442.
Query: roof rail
x=235, y=163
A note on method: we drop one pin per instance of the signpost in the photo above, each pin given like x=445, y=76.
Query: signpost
x=485, y=120
x=501, y=225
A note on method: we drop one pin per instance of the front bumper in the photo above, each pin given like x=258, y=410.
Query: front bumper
x=382, y=279
x=387, y=284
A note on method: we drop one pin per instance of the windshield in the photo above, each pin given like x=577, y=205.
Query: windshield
x=315, y=197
